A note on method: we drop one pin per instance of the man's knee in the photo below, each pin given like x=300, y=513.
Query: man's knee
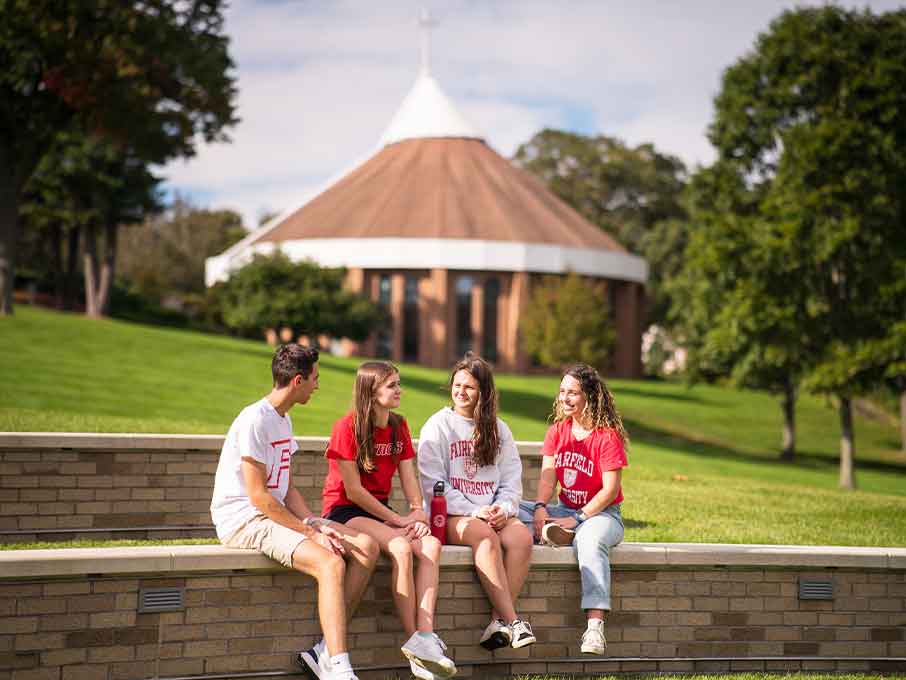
x=326, y=564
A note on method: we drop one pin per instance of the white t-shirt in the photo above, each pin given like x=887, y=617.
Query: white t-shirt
x=260, y=433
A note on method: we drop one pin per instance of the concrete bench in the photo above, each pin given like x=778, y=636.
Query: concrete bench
x=208, y=611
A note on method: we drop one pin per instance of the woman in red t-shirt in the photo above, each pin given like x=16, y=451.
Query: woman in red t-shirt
x=585, y=451
x=366, y=448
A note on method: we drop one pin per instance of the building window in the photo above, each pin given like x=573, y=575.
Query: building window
x=410, y=320
x=489, y=321
x=384, y=344
x=464, y=314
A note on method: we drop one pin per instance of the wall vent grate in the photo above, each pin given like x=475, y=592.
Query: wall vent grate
x=816, y=590
x=161, y=600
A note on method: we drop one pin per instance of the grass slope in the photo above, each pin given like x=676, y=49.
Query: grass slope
x=703, y=460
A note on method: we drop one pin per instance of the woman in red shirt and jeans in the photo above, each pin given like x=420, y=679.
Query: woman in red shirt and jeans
x=366, y=449
x=585, y=451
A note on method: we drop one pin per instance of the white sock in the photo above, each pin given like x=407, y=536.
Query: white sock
x=340, y=663
x=595, y=624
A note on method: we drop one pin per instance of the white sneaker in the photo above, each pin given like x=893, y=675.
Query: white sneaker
x=522, y=634
x=315, y=662
x=496, y=635
x=593, y=642
x=420, y=672
x=427, y=652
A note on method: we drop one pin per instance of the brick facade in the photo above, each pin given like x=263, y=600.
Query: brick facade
x=242, y=614
x=51, y=486
x=73, y=614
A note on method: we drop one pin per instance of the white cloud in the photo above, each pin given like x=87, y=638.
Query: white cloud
x=318, y=82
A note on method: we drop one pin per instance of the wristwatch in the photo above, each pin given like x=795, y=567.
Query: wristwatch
x=581, y=516
x=540, y=504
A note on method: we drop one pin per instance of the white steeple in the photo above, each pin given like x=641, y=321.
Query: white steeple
x=427, y=111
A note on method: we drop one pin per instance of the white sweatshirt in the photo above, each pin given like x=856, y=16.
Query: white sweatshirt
x=445, y=455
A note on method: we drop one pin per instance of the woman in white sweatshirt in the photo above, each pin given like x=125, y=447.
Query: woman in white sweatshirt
x=470, y=450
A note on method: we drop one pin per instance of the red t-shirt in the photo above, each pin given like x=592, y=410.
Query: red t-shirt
x=581, y=464
x=343, y=446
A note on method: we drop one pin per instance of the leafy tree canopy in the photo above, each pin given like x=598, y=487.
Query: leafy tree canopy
x=568, y=319
x=797, y=260
x=154, y=76
x=166, y=254
x=633, y=193
x=274, y=292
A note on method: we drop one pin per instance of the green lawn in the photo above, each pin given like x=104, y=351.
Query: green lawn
x=703, y=460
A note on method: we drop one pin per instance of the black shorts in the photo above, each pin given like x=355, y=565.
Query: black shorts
x=343, y=513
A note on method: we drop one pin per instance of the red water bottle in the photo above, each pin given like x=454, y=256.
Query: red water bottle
x=439, y=514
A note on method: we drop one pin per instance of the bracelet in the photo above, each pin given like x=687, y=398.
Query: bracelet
x=540, y=504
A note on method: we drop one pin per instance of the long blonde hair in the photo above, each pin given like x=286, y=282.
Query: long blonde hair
x=368, y=378
x=600, y=408
x=485, y=437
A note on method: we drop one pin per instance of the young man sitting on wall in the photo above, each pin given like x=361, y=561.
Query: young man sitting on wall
x=255, y=506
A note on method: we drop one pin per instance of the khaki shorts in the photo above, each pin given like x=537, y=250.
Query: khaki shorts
x=266, y=536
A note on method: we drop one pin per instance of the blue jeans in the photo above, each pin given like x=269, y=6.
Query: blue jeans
x=594, y=539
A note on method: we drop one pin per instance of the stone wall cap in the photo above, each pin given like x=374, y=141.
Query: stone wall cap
x=62, y=562
x=728, y=554
x=125, y=441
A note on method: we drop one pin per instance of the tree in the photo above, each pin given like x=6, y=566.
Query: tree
x=738, y=308
x=568, y=319
x=88, y=186
x=165, y=256
x=633, y=193
x=273, y=292
x=813, y=120
x=153, y=76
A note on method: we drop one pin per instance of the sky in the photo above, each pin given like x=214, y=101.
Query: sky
x=320, y=80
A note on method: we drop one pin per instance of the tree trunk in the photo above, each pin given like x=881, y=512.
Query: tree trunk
x=9, y=232
x=72, y=258
x=847, y=445
x=788, y=404
x=903, y=419
x=56, y=261
x=90, y=265
x=108, y=268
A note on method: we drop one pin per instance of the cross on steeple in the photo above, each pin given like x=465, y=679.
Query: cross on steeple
x=425, y=23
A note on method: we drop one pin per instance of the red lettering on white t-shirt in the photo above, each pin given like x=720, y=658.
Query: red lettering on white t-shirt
x=285, y=455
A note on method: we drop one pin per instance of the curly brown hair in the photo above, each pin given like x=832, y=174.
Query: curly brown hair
x=600, y=408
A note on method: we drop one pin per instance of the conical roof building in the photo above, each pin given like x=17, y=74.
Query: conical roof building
x=449, y=236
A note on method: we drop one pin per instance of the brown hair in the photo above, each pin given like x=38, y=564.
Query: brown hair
x=485, y=437
x=367, y=379
x=599, y=404
x=290, y=361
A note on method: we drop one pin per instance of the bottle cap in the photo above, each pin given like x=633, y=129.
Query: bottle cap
x=439, y=489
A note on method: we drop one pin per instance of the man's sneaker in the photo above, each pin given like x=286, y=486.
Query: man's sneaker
x=593, y=642
x=427, y=652
x=420, y=672
x=555, y=535
x=315, y=662
x=496, y=635
x=522, y=634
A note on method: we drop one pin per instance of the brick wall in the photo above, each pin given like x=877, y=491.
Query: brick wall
x=244, y=615
x=53, y=485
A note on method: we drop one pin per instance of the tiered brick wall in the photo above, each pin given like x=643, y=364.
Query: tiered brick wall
x=64, y=616
x=54, y=485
